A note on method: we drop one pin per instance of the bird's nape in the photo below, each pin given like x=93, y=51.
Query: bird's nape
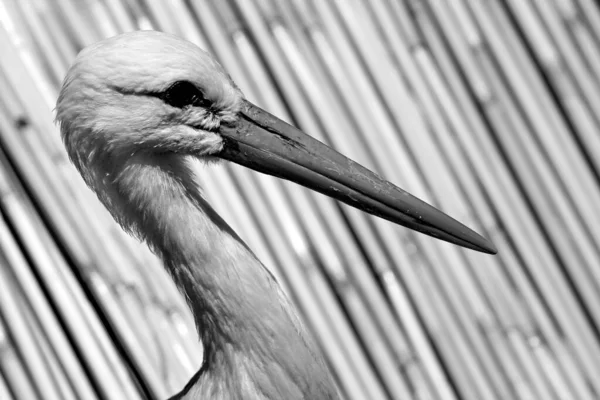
x=263, y=142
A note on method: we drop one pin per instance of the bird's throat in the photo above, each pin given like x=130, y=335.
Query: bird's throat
x=161, y=203
x=244, y=319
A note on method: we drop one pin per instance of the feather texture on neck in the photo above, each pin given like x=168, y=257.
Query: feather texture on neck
x=253, y=338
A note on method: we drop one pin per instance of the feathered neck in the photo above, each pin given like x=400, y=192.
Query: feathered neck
x=254, y=343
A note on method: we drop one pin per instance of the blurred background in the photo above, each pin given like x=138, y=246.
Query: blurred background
x=489, y=109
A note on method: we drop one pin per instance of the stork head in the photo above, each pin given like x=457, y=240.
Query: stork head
x=145, y=91
x=151, y=92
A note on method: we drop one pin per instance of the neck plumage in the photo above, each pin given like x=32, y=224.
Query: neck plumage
x=252, y=338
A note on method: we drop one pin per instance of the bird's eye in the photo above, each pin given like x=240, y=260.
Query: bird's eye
x=183, y=93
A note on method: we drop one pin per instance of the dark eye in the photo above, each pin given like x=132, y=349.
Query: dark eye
x=183, y=93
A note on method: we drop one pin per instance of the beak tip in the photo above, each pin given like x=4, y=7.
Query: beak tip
x=485, y=246
x=490, y=248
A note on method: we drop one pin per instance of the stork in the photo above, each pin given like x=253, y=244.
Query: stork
x=133, y=110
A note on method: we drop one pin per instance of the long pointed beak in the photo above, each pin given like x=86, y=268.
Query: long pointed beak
x=263, y=142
